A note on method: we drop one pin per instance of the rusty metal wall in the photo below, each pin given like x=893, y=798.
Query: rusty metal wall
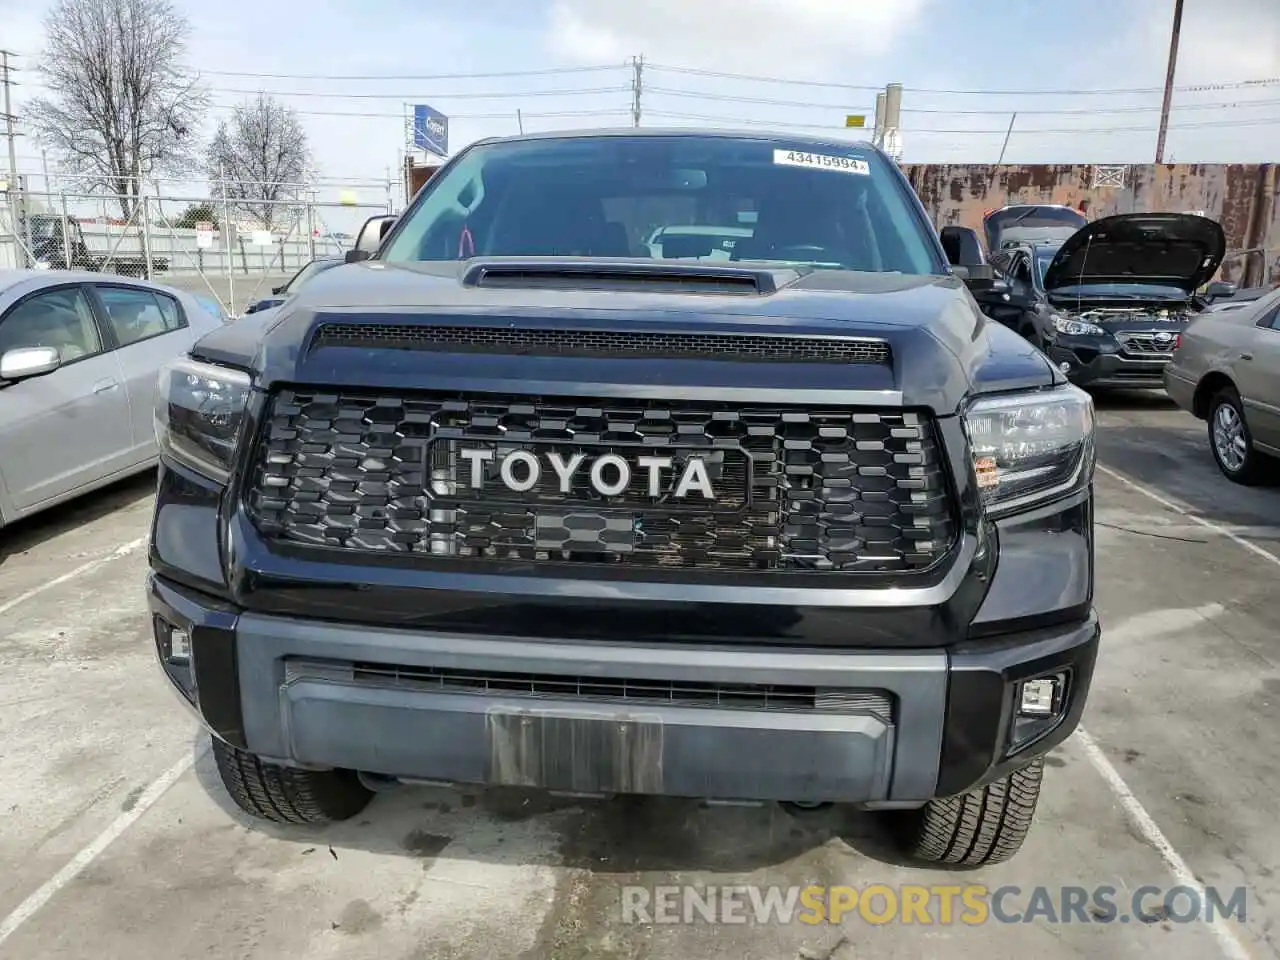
x=1242, y=197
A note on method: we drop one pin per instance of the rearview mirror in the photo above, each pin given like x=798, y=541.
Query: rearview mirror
x=26, y=362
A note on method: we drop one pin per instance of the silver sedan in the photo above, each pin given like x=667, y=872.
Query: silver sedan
x=80, y=357
x=1226, y=371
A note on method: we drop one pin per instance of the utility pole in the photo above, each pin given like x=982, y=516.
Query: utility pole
x=17, y=197
x=877, y=135
x=1008, y=133
x=1168, y=80
x=5, y=69
x=637, y=88
x=892, y=135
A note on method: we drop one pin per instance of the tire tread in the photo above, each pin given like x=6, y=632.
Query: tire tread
x=984, y=826
x=287, y=795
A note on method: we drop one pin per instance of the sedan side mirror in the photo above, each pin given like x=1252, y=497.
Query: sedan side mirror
x=276, y=291
x=26, y=362
x=1219, y=289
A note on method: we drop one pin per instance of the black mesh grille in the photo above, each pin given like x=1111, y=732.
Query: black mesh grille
x=685, y=693
x=602, y=343
x=794, y=489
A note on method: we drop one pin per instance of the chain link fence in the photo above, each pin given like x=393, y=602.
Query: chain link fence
x=231, y=252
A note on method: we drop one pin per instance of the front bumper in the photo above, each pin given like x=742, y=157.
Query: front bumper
x=1098, y=362
x=735, y=722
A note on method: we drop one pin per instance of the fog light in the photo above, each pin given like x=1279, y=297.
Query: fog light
x=179, y=646
x=1040, y=697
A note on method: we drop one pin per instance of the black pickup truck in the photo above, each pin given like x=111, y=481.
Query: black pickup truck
x=514, y=502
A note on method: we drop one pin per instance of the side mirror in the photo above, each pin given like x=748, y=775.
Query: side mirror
x=980, y=276
x=1219, y=289
x=276, y=291
x=355, y=256
x=962, y=246
x=26, y=362
x=370, y=236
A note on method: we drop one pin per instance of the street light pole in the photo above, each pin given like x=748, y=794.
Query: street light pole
x=1168, y=80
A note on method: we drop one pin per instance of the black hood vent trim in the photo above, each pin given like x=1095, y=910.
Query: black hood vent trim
x=602, y=344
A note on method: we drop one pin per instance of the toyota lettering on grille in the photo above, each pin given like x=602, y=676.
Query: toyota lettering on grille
x=609, y=475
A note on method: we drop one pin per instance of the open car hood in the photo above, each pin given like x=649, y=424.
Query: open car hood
x=1166, y=249
x=1031, y=223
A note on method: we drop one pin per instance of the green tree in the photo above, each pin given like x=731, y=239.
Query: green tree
x=197, y=213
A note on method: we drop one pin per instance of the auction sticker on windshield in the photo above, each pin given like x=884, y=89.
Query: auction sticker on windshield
x=821, y=161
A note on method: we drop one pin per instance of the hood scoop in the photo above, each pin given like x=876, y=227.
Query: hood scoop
x=513, y=340
x=625, y=275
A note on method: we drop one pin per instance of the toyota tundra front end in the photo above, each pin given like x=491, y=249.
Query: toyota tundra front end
x=780, y=518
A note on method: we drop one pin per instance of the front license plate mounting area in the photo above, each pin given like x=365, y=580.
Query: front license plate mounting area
x=580, y=753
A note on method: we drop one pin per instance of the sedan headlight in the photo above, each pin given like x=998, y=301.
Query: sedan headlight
x=200, y=410
x=1031, y=447
x=1075, y=328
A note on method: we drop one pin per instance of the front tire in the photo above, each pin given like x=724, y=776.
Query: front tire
x=279, y=794
x=1230, y=440
x=984, y=826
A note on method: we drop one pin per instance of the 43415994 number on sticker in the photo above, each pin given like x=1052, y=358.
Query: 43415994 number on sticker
x=821, y=161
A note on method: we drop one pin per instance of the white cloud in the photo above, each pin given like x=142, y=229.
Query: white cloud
x=800, y=38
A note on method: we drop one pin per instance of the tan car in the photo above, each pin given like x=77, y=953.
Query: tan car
x=1226, y=371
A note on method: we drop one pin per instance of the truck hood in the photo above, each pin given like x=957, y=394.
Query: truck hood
x=941, y=348
x=1162, y=249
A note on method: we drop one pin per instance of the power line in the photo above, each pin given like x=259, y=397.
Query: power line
x=506, y=115
x=753, y=78
x=1262, y=121
x=409, y=97
x=734, y=98
x=557, y=71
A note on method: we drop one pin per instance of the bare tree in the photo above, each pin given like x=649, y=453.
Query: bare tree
x=120, y=105
x=259, y=158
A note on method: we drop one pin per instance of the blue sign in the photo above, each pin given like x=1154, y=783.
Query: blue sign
x=430, y=130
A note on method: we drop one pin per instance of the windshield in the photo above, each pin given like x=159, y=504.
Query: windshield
x=622, y=196
x=42, y=228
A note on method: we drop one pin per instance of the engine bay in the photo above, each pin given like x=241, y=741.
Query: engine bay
x=1104, y=316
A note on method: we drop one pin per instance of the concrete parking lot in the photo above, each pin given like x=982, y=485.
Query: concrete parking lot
x=118, y=842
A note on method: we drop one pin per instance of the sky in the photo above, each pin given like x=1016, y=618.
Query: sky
x=967, y=66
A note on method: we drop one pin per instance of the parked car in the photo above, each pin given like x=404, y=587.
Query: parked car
x=278, y=294
x=1226, y=371
x=1107, y=304
x=1030, y=223
x=80, y=357
x=804, y=526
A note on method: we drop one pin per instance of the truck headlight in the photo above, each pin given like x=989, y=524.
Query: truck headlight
x=1075, y=328
x=1031, y=447
x=200, y=410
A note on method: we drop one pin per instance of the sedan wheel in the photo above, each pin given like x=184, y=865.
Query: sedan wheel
x=1230, y=441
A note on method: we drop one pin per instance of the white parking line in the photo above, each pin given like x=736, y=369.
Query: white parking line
x=121, y=551
x=86, y=856
x=1232, y=946
x=1217, y=528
